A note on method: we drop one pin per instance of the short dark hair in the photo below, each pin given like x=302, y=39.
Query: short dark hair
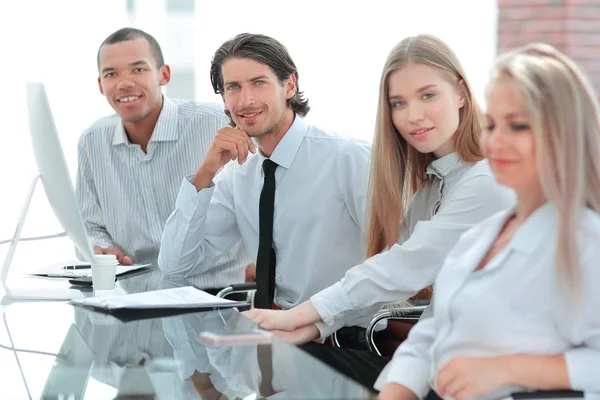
x=264, y=50
x=125, y=34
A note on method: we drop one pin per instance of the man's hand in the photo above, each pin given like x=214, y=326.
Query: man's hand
x=250, y=273
x=229, y=144
x=121, y=257
x=299, y=336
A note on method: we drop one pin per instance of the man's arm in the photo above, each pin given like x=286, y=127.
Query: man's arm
x=204, y=224
x=89, y=202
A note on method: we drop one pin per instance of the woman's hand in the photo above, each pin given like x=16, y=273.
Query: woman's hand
x=301, y=335
x=272, y=319
x=395, y=391
x=463, y=378
x=292, y=319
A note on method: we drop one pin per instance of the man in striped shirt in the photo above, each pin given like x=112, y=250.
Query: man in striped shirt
x=131, y=164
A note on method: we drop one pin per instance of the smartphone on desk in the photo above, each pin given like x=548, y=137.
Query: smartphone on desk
x=229, y=339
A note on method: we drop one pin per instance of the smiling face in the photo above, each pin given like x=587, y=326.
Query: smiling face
x=255, y=98
x=425, y=107
x=131, y=80
x=509, y=141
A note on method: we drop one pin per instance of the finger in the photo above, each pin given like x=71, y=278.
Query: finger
x=243, y=136
x=225, y=146
x=446, y=374
x=99, y=250
x=114, y=250
x=126, y=260
x=253, y=315
x=251, y=145
x=231, y=148
x=452, y=388
x=240, y=140
x=242, y=148
x=464, y=394
x=248, y=140
x=250, y=273
x=444, y=377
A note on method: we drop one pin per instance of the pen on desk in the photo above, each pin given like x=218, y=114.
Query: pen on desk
x=87, y=266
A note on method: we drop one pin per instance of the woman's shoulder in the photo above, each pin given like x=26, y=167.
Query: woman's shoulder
x=477, y=177
x=477, y=168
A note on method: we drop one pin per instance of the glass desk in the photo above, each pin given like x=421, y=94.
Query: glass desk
x=53, y=350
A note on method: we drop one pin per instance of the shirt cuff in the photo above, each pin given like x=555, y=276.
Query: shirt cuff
x=331, y=303
x=581, y=375
x=406, y=372
x=189, y=199
x=327, y=330
x=101, y=240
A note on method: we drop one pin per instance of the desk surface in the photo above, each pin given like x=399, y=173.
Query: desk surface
x=102, y=357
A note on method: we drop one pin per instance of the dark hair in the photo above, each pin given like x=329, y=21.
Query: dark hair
x=125, y=34
x=265, y=50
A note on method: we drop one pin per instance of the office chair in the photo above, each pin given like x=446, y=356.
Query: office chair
x=237, y=288
x=409, y=314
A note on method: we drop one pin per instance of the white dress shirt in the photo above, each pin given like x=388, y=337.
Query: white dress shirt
x=514, y=305
x=126, y=195
x=318, y=228
x=457, y=196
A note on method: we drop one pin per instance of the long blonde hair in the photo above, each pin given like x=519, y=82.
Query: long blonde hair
x=565, y=121
x=397, y=169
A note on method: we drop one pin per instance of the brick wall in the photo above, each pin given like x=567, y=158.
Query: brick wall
x=572, y=26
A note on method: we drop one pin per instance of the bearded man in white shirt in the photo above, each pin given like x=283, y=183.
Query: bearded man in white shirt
x=130, y=163
x=294, y=194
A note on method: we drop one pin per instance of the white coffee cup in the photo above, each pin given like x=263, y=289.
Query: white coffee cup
x=104, y=271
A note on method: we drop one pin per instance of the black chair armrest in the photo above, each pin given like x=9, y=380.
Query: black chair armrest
x=390, y=312
x=236, y=288
x=548, y=394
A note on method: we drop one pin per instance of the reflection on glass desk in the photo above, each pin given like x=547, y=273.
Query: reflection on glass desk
x=52, y=350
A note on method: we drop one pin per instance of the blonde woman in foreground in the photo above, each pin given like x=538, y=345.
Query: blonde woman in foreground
x=516, y=303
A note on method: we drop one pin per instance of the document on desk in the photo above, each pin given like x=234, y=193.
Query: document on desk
x=174, y=298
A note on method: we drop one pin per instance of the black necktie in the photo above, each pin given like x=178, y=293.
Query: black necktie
x=265, y=260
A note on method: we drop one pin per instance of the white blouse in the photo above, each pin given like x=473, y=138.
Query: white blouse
x=514, y=305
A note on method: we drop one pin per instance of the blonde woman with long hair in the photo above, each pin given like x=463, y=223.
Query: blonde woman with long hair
x=428, y=185
x=516, y=303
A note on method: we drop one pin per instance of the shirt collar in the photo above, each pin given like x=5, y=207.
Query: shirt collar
x=288, y=146
x=164, y=130
x=534, y=230
x=442, y=166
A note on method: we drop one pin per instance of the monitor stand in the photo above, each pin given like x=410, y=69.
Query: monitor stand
x=30, y=293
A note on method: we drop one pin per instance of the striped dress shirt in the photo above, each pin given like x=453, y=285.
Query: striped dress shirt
x=126, y=195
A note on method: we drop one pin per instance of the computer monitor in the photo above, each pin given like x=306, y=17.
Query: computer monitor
x=54, y=174
x=52, y=168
